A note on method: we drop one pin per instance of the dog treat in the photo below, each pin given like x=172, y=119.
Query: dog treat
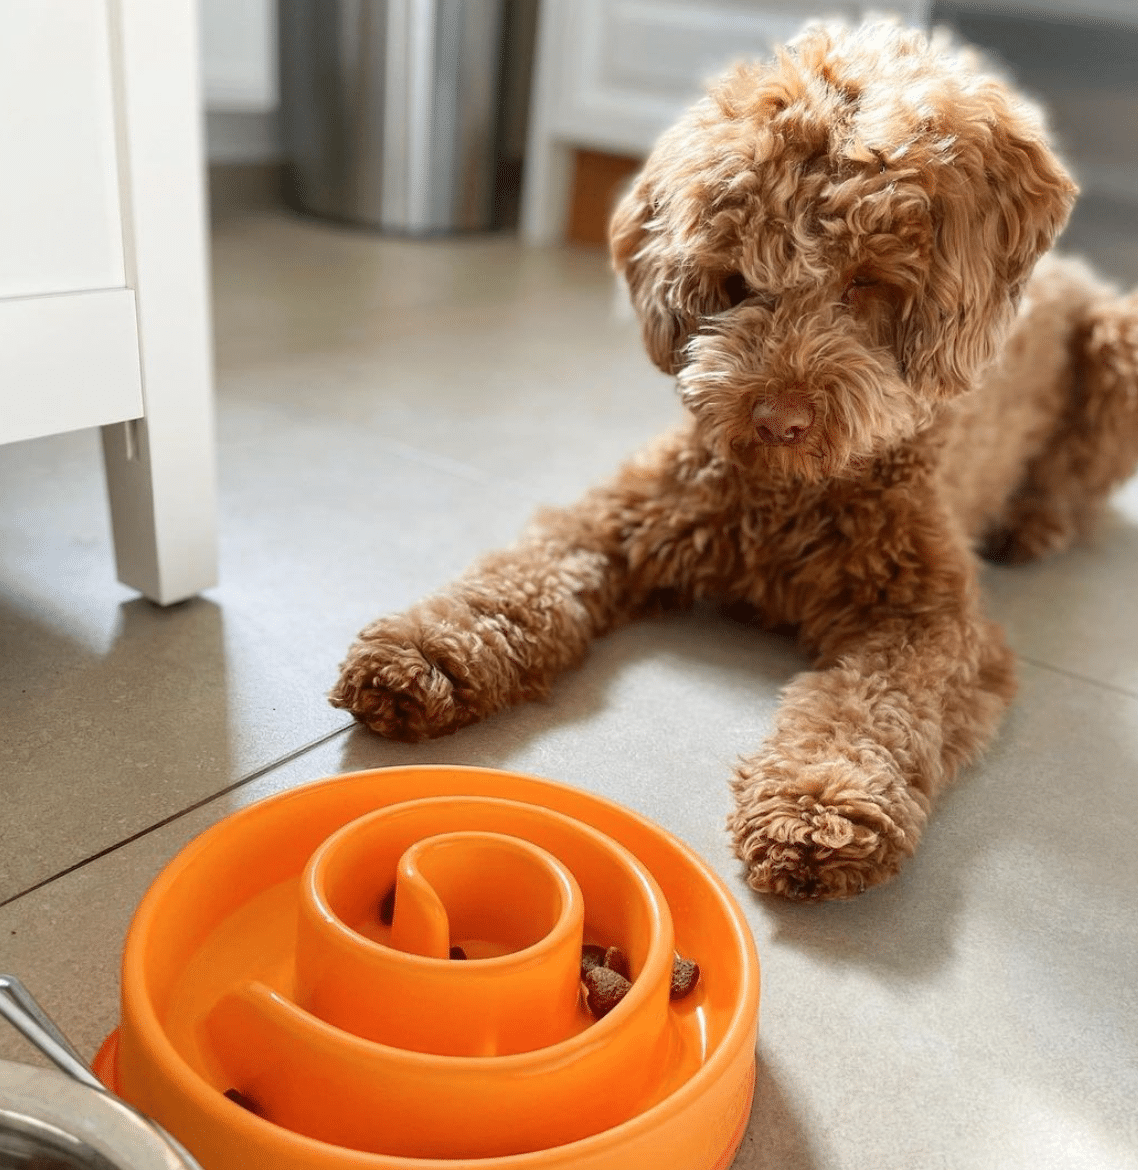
x=616, y=960
x=457, y=953
x=604, y=989
x=591, y=956
x=387, y=907
x=239, y=1098
x=685, y=975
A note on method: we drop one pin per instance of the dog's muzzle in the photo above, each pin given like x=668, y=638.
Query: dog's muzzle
x=783, y=421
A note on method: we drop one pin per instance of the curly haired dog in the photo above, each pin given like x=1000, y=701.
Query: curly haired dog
x=828, y=252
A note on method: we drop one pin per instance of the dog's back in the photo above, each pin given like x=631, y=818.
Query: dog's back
x=1053, y=426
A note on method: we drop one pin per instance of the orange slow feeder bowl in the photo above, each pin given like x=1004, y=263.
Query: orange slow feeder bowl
x=262, y=960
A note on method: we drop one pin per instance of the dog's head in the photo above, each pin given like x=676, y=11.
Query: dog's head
x=825, y=247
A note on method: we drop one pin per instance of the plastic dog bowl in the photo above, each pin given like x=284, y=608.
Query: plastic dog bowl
x=268, y=959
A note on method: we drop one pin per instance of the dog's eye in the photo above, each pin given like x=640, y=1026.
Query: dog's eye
x=736, y=290
x=858, y=281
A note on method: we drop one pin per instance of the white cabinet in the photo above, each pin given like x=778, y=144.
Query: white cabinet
x=103, y=311
x=69, y=353
x=60, y=226
x=67, y=362
x=614, y=74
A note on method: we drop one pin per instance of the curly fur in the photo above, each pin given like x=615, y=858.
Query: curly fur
x=836, y=255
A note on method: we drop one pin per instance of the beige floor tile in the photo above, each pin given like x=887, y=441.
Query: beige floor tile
x=524, y=372
x=979, y=1012
x=1078, y=611
x=350, y=485
x=64, y=940
x=117, y=713
x=388, y=411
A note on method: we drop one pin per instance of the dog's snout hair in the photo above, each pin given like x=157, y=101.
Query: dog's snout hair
x=747, y=364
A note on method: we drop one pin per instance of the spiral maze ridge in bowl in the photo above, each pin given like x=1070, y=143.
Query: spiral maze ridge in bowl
x=271, y=963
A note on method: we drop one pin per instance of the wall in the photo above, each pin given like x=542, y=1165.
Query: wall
x=1081, y=67
x=239, y=79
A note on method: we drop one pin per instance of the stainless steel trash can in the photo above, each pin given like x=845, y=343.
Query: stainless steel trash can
x=392, y=110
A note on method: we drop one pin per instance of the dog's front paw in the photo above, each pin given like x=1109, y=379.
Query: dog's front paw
x=819, y=830
x=409, y=680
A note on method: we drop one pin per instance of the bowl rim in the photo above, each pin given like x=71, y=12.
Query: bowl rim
x=739, y=1030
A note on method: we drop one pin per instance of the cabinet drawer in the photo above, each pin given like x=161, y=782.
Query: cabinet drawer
x=67, y=362
x=60, y=220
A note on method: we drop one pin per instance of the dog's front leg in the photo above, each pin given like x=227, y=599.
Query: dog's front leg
x=505, y=629
x=838, y=797
x=497, y=636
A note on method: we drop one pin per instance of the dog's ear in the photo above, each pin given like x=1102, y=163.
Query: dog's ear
x=999, y=197
x=638, y=255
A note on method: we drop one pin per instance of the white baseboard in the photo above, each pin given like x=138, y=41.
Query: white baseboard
x=240, y=136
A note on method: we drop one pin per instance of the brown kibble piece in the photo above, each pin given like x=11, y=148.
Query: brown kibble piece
x=387, y=907
x=591, y=956
x=239, y=1098
x=616, y=960
x=604, y=989
x=685, y=975
x=457, y=953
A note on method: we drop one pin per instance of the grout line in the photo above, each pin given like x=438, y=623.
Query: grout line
x=1083, y=678
x=435, y=461
x=254, y=775
x=288, y=757
x=445, y=463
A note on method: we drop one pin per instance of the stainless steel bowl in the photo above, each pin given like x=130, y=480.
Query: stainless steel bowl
x=67, y=1120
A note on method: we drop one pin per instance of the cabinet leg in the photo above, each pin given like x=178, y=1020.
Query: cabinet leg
x=163, y=509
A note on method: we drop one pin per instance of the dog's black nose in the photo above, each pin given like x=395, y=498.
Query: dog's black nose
x=783, y=420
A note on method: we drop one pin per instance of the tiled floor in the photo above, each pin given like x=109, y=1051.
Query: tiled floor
x=388, y=410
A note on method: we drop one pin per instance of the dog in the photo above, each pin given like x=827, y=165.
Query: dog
x=835, y=254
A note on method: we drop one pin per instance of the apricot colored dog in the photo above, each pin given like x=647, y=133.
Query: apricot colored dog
x=835, y=254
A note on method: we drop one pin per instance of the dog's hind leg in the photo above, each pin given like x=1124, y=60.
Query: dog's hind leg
x=1094, y=447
